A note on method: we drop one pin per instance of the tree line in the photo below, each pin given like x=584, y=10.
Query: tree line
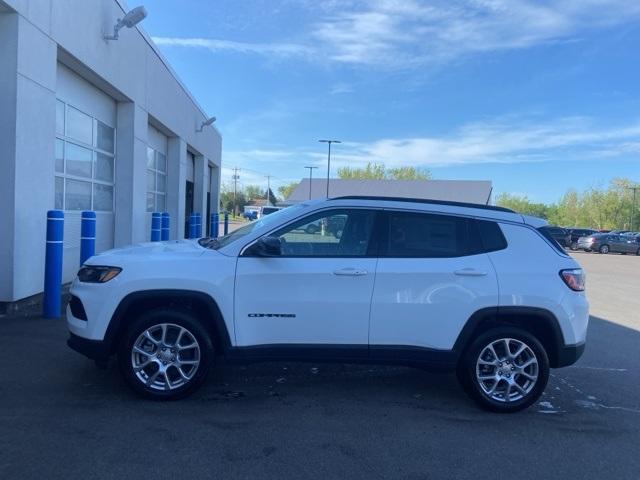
x=607, y=208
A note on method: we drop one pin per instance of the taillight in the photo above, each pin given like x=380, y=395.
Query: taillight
x=574, y=278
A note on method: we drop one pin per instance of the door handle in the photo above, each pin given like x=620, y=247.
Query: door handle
x=470, y=272
x=350, y=272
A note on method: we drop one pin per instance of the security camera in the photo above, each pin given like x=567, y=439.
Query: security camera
x=206, y=123
x=131, y=19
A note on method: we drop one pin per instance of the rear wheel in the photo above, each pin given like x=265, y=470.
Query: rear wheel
x=505, y=370
x=604, y=249
x=165, y=354
x=574, y=246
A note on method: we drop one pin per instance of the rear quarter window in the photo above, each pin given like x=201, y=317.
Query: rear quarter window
x=491, y=236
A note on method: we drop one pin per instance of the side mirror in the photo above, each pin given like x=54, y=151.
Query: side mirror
x=264, y=247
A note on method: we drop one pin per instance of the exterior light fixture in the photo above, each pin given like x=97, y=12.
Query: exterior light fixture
x=131, y=19
x=206, y=123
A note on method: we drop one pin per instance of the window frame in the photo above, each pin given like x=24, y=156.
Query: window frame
x=372, y=247
x=93, y=148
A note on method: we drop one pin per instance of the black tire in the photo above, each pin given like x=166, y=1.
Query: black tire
x=574, y=246
x=604, y=249
x=176, y=319
x=467, y=370
x=638, y=252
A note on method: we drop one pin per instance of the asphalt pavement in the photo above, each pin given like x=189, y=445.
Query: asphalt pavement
x=60, y=417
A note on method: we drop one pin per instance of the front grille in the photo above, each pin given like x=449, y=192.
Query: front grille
x=77, y=309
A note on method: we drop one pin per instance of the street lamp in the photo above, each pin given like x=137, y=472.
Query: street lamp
x=310, y=179
x=329, y=160
x=130, y=20
x=633, y=206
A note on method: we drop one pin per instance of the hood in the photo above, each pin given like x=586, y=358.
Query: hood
x=148, y=251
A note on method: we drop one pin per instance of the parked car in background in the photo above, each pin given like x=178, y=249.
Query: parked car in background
x=610, y=243
x=559, y=234
x=268, y=211
x=576, y=233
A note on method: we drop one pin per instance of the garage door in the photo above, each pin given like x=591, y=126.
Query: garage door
x=84, y=163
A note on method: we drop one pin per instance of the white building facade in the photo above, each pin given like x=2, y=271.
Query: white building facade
x=91, y=124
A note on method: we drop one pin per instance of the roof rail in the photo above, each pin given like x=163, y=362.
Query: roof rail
x=427, y=201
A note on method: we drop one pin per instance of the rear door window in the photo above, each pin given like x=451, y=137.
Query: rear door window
x=423, y=235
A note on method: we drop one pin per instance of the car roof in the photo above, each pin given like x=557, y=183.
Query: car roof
x=436, y=206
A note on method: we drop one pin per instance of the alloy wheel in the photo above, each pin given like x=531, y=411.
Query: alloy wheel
x=507, y=370
x=165, y=356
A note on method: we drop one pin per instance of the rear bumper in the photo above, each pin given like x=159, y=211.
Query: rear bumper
x=93, y=349
x=569, y=354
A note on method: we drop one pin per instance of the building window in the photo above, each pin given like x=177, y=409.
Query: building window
x=84, y=161
x=156, y=181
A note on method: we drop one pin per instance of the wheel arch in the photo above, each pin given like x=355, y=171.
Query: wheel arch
x=200, y=304
x=540, y=322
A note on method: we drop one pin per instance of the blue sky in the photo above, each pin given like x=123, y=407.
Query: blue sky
x=536, y=96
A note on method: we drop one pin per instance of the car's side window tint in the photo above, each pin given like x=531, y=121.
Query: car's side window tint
x=491, y=236
x=428, y=235
x=334, y=233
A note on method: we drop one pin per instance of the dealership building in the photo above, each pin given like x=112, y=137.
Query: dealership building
x=89, y=123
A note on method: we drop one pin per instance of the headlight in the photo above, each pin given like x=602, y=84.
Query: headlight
x=91, y=274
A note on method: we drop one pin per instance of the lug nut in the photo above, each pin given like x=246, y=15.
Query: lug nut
x=499, y=372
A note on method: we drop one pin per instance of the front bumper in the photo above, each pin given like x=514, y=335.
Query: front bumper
x=93, y=349
x=569, y=354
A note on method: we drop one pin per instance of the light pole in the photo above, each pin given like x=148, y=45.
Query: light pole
x=268, y=189
x=329, y=160
x=310, y=179
x=633, y=207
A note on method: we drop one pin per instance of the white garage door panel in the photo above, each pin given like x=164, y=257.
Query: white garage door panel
x=76, y=91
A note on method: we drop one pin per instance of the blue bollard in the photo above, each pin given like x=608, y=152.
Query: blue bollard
x=53, y=265
x=192, y=225
x=87, y=236
x=166, y=225
x=156, y=220
x=226, y=223
x=198, y=225
x=214, y=225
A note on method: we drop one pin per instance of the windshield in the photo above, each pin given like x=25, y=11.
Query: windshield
x=265, y=221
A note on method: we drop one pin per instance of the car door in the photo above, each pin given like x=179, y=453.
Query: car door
x=317, y=291
x=431, y=277
x=615, y=244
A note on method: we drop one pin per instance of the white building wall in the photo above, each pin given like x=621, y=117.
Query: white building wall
x=126, y=82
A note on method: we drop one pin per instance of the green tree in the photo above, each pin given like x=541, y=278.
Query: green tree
x=285, y=190
x=378, y=171
x=522, y=204
x=253, y=192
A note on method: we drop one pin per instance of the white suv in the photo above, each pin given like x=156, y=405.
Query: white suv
x=442, y=285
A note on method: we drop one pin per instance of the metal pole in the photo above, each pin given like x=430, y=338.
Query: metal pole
x=329, y=159
x=51, y=302
x=87, y=235
x=268, y=189
x=633, y=207
x=166, y=226
x=226, y=223
x=235, y=188
x=156, y=226
x=310, y=179
x=328, y=168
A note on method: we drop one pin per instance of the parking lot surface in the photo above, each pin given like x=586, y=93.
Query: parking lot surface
x=60, y=417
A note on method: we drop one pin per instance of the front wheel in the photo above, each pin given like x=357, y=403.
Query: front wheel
x=604, y=249
x=574, y=246
x=505, y=370
x=165, y=354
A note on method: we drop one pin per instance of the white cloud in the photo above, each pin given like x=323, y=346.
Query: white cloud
x=278, y=49
x=409, y=33
x=400, y=33
x=505, y=140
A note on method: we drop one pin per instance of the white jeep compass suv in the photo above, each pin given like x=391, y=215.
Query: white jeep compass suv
x=475, y=289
